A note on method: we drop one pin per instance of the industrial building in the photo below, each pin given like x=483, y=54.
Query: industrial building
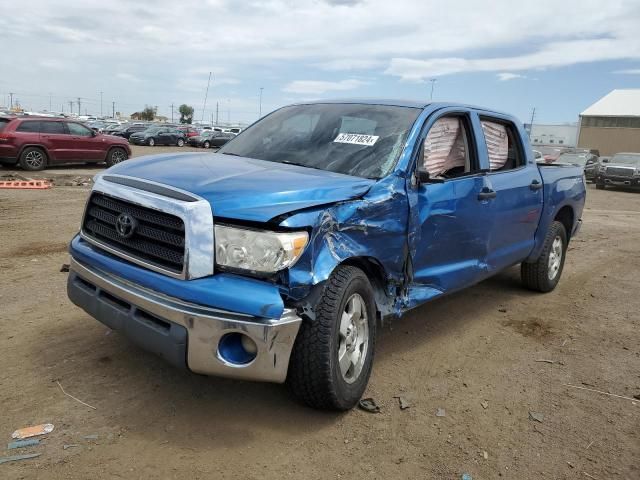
x=612, y=124
x=564, y=135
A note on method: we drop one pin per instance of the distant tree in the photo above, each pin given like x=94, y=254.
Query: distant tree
x=186, y=113
x=148, y=113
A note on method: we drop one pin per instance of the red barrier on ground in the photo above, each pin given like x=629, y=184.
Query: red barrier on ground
x=26, y=184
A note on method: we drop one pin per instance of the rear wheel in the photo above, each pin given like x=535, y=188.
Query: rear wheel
x=181, y=142
x=115, y=156
x=206, y=144
x=333, y=355
x=544, y=274
x=599, y=185
x=33, y=159
x=151, y=142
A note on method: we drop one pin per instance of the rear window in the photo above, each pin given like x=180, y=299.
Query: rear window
x=3, y=123
x=52, y=127
x=29, y=126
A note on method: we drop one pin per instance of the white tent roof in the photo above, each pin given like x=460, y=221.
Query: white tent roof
x=618, y=103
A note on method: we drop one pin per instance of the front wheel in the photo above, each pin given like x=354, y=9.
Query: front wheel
x=544, y=274
x=333, y=355
x=206, y=144
x=115, y=156
x=181, y=142
x=151, y=142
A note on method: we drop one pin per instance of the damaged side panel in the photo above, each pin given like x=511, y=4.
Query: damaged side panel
x=372, y=228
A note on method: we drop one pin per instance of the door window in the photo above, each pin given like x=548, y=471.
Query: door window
x=53, y=128
x=446, y=152
x=29, y=126
x=80, y=130
x=505, y=152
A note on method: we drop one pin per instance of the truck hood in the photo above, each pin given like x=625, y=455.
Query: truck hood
x=245, y=188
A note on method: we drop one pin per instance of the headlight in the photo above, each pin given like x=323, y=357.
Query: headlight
x=258, y=250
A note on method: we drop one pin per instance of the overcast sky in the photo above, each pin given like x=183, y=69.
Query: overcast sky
x=558, y=57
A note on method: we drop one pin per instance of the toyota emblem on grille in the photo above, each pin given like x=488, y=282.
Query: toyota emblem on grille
x=126, y=225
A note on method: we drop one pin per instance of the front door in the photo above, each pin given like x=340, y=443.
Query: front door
x=86, y=144
x=450, y=244
x=56, y=139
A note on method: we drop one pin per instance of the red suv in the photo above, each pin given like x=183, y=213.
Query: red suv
x=35, y=143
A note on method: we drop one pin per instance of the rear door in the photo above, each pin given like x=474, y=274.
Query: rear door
x=56, y=139
x=515, y=180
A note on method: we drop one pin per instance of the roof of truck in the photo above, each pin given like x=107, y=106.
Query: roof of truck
x=399, y=103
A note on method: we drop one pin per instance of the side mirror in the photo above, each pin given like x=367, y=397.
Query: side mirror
x=605, y=160
x=423, y=175
x=94, y=133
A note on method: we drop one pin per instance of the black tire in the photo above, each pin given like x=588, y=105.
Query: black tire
x=33, y=159
x=180, y=142
x=151, y=142
x=537, y=275
x=206, y=144
x=600, y=186
x=314, y=375
x=115, y=156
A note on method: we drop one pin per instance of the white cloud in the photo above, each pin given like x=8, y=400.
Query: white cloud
x=506, y=76
x=317, y=87
x=271, y=43
x=629, y=71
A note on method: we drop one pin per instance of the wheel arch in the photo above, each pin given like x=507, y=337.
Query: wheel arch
x=112, y=147
x=35, y=145
x=566, y=216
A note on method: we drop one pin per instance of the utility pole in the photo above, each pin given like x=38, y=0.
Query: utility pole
x=101, y=104
x=79, y=111
x=11, y=101
x=206, y=94
x=49, y=101
x=113, y=110
x=70, y=106
x=260, y=111
x=433, y=82
x=217, y=111
x=533, y=115
x=229, y=111
x=172, y=113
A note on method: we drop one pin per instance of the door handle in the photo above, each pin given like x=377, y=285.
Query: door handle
x=487, y=194
x=535, y=185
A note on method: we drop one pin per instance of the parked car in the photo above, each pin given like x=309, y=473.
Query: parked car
x=129, y=130
x=158, y=136
x=210, y=138
x=276, y=258
x=587, y=161
x=189, y=131
x=623, y=169
x=36, y=143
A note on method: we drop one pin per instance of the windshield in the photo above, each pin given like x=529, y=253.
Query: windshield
x=353, y=139
x=626, y=159
x=575, y=158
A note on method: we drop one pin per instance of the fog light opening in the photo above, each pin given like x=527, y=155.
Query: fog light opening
x=237, y=348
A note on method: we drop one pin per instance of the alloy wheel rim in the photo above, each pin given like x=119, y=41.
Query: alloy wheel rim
x=117, y=156
x=34, y=159
x=353, y=336
x=555, y=257
x=151, y=142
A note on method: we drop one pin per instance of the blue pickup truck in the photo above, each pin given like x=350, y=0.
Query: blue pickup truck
x=278, y=257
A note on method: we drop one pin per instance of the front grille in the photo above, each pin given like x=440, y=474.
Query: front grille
x=157, y=239
x=620, y=171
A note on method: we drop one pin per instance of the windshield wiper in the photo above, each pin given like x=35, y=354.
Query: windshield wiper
x=231, y=153
x=299, y=164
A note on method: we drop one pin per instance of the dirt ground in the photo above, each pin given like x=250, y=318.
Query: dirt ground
x=476, y=354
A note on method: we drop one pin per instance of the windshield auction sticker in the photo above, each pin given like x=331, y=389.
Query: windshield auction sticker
x=357, y=139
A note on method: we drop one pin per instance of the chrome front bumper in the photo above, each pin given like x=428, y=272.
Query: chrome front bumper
x=143, y=314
